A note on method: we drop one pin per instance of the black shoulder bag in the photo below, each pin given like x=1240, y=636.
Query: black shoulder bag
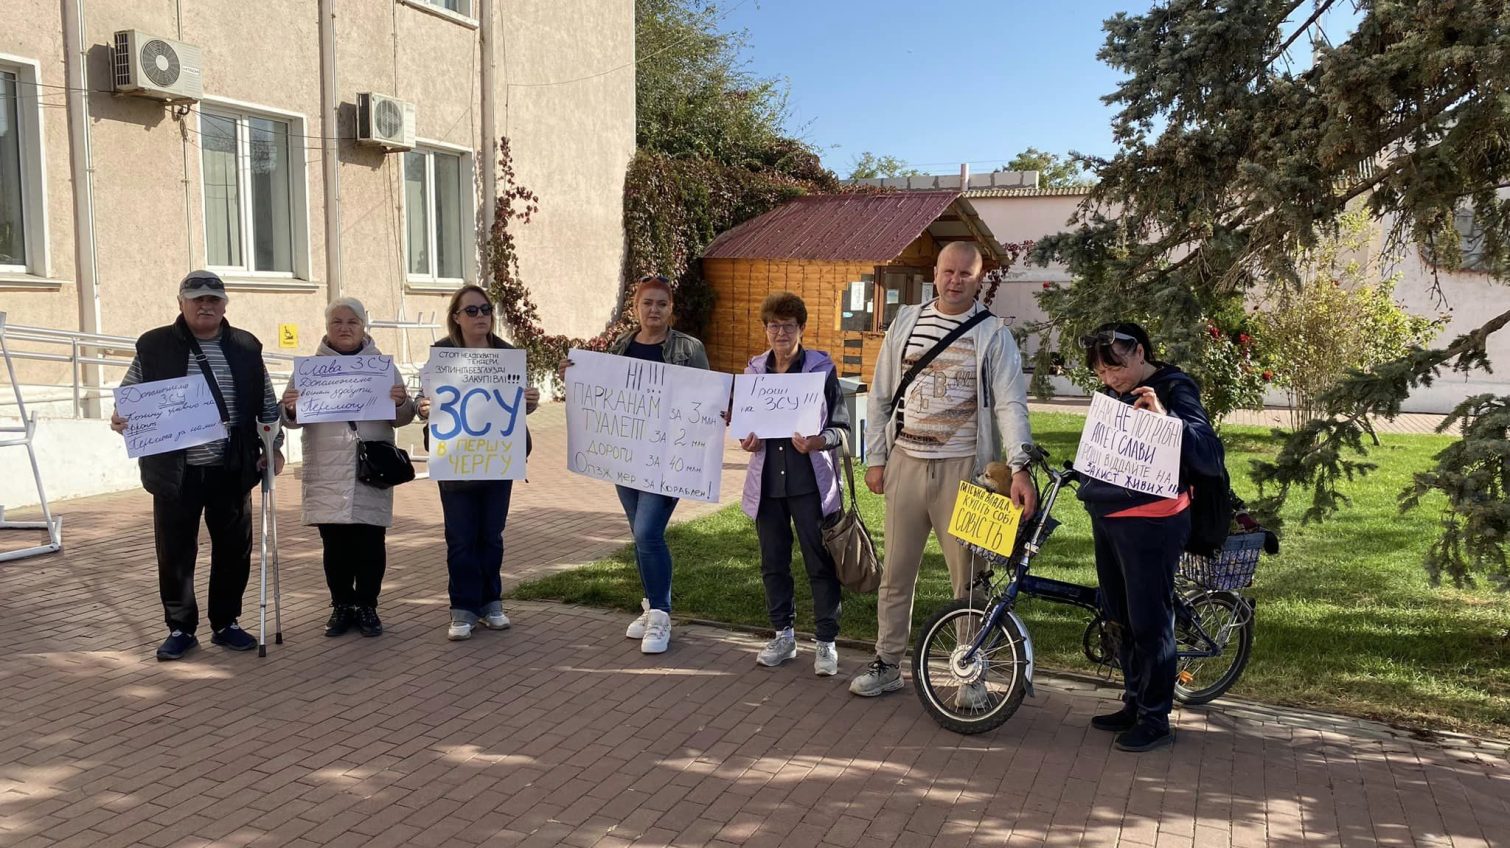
x=382, y=465
x=917, y=367
x=241, y=447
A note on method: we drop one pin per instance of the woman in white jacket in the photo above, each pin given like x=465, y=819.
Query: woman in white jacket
x=352, y=516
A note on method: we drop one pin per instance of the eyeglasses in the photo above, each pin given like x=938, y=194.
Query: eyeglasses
x=474, y=311
x=204, y=283
x=1104, y=338
x=784, y=329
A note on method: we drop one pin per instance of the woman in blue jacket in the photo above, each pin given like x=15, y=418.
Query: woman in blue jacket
x=1139, y=537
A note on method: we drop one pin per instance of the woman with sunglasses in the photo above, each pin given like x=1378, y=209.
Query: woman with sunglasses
x=793, y=482
x=654, y=341
x=475, y=510
x=1139, y=537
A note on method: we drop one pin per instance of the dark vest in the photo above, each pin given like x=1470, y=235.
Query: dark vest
x=164, y=355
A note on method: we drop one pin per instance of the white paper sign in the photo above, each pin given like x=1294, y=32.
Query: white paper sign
x=343, y=388
x=1132, y=448
x=774, y=406
x=477, y=428
x=648, y=426
x=168, y=415
x=857, y=296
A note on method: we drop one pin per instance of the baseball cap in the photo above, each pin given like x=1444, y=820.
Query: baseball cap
x=202, y=284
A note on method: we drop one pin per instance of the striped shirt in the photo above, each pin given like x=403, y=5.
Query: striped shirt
x=941, y=405
x=213, y=453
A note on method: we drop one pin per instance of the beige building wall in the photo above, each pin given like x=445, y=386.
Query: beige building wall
x=564, y=94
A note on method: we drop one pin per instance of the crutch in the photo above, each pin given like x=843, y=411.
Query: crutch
x=269, y=432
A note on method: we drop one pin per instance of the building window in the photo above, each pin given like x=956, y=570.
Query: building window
x=436, y=215
x=23, y=216
x=857, y=305
x=460, y=7
x=249, y=193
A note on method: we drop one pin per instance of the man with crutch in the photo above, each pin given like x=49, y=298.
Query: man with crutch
x=214, y=480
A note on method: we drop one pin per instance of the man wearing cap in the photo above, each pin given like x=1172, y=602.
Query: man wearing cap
x=214, y=480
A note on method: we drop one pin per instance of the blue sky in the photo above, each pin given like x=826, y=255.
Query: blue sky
x=937, y=84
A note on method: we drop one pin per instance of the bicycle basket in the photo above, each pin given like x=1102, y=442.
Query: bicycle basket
x=1231, y=569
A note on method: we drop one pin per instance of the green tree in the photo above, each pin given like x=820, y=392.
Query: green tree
x=870, y=166
x=1054, y=171
x=1232, y=165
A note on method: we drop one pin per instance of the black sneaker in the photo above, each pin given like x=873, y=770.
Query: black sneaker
x=1146, y=736
x=368, y=621
x=1123, y=719
x=342, y=618
x=233, y=637
x=176, y=645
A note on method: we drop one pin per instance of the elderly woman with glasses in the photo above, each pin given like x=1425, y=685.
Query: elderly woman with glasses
x=793, y=482
x=352, y=516
x=1139, y=537
x=475, y=511
x=653, y=340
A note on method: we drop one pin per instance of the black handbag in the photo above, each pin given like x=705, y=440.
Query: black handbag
x=242, y=449
x=382, y=465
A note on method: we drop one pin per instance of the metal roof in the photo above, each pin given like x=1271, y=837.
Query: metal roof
x=1028, y=192
x=835, y=227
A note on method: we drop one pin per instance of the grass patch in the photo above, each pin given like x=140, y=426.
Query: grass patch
x=1347, y=621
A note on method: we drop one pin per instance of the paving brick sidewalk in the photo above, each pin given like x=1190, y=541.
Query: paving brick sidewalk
x=559, y=732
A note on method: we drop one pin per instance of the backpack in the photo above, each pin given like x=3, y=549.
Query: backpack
x=1211, y=509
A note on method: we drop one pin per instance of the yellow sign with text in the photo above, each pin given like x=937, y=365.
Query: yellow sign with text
x=288, y=336
x=982, y=517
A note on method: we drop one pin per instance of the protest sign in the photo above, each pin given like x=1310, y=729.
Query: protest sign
x=343, y=388
x=982, y=517
x=168, y=415
x=1132, y=448
x=774, y=406
x=648, y=426
x=477, y=428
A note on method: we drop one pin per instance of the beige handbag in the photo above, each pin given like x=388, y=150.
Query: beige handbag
x=847, y=540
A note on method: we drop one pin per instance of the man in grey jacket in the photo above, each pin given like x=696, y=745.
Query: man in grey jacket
x=952, y=418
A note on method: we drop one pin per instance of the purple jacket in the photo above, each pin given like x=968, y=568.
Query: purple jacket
x=823, y=461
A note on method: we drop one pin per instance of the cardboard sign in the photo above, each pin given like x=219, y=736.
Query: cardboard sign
x=1132, y=448
x=477, y=428
x=648, y=426
x=774, y=406
x=168, y=415
x=982, y=517
x=344, y=388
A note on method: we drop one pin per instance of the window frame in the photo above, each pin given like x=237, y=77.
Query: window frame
x=466, y=189
x=33, y=168
x=298, y=189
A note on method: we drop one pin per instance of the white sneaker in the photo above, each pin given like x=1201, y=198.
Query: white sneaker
x=459, y=630
x=496, y=621
x=826, y=660
x=777, y=651
x=636, y=628
x=657, y=632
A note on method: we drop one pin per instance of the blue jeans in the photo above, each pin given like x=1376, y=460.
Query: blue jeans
x=475, y=512
x=648, y=516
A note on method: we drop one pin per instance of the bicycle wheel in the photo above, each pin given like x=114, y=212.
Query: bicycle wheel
x=1229, y=622
x=974, y=696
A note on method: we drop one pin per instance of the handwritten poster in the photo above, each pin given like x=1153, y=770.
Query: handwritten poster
x=982, y=517
x=774, y=406
x=1132, y=448
x=648, y=426
x=168, y=415
x=477, y=429
x=343, y=388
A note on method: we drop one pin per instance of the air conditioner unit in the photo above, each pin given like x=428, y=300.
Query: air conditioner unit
x=385, y=122
x=149, y=66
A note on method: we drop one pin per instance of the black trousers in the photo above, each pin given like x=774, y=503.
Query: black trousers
x=1135, y=562
x=356, y=557
x=773, y=527
x=227, y=509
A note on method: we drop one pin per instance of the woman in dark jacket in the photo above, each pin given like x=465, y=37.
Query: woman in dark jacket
x=793, y=481
x=475, y=510
x=1139, y=537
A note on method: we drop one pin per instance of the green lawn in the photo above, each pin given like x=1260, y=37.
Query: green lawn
x=1347, y=621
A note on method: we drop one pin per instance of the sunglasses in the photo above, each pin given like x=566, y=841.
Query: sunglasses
x=474, y=311
x=1105, y=338
x=204, y=283
x=660, y=278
